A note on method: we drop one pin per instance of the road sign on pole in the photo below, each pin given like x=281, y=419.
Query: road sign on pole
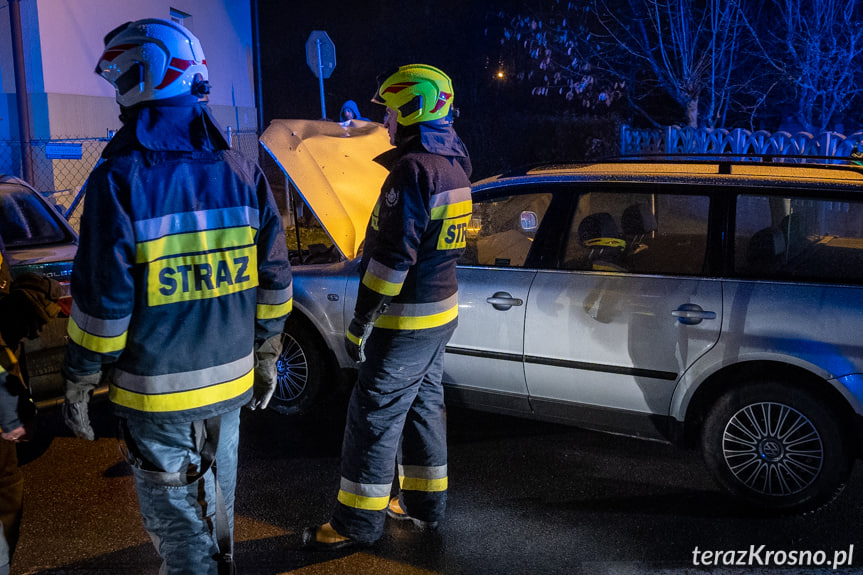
x=321, y=58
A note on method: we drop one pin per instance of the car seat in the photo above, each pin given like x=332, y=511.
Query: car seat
x=765, y=250
x=599, y=233
x=637, y=222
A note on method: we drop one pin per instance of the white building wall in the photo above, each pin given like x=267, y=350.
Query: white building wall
x=63, y=41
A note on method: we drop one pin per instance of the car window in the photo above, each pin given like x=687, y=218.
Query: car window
x=25, y=220
x=502, y=229
x=653, y=233
x=799, y=238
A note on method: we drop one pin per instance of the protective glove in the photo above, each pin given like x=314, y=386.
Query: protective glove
x=355, y=339
x=266, y=370
x=76, y=414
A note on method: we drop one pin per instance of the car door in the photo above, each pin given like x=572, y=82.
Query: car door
x=625, y=311
x=483, y=365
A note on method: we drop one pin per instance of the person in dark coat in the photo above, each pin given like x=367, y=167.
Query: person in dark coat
x=26, y=305
x=350, y=111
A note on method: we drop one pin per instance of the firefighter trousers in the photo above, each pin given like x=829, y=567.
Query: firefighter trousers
x=181, y=521
x=397, y=402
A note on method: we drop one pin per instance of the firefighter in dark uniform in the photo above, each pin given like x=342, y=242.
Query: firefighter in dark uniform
x=26, y=305
x=406, y=311
x=180, y=287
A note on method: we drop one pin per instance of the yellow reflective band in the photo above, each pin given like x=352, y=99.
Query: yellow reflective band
x=452, y=210
x=94, y=342
x=268, y=311
x=356, y=340
x=606, y=242
x=182, y=400
x=192, y=242
x=380, y=285
x=453, y=234
x=363, y=502
x=375, y=215
x=420, y=484
x=203, y=276
x=417, y=322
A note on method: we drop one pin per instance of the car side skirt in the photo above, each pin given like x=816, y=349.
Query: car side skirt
x=641, y=425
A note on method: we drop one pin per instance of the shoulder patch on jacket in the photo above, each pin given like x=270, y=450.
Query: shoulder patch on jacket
x=392, y=197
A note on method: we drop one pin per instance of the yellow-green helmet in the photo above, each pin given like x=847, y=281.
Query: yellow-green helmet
x=419, y=93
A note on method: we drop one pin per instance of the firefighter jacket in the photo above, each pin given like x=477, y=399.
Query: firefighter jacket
x=416, y=233
x=181, y=271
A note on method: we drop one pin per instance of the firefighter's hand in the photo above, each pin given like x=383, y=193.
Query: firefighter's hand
x=76, y=411
x=266, y=371
x=15, y=435
x=355, y=339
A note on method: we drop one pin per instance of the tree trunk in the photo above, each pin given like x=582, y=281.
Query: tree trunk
x=692, y=112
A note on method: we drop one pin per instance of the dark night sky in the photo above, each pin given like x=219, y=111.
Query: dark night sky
x=370, y=38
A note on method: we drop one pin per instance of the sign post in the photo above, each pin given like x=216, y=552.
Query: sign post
x=321, y=58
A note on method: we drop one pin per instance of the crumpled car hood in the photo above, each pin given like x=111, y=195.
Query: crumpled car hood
x=331, y=166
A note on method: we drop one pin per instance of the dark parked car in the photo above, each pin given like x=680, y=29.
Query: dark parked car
x=38, y=239
x=715, y=303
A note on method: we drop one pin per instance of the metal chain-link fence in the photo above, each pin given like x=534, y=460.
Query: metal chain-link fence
x=246, y=143
x=60, y=167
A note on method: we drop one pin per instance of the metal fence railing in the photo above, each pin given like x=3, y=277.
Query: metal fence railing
x=246, y=143
x=60, y=167
x=677, y=140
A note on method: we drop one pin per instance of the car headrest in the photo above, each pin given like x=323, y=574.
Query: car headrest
x=765, y=245
x=599, y=225
x=638, y=219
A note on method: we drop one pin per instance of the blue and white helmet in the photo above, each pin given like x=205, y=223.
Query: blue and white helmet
x=153, y=59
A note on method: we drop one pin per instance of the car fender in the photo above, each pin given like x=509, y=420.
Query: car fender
x=320, y=296
x=719, y=358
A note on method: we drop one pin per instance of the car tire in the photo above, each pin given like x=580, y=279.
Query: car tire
x=302, y=369
x=777, y=447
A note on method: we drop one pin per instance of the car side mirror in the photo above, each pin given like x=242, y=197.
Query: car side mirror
x=529, y=221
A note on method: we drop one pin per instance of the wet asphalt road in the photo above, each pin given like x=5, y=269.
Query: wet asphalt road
x=524, y=497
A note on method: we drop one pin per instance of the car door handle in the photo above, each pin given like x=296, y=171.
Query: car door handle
x=503, y=301
x=691, y=314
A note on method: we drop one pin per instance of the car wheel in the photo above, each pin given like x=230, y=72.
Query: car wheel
x=301, y=369
x=777, y=447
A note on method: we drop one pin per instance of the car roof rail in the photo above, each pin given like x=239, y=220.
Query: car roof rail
x=744, y=157
x=725, y=160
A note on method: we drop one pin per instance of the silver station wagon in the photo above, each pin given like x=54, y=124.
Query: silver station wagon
x=709, y=303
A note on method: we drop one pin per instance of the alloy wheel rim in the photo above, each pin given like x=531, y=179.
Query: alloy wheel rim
x=772, y=449
x=292, y=369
